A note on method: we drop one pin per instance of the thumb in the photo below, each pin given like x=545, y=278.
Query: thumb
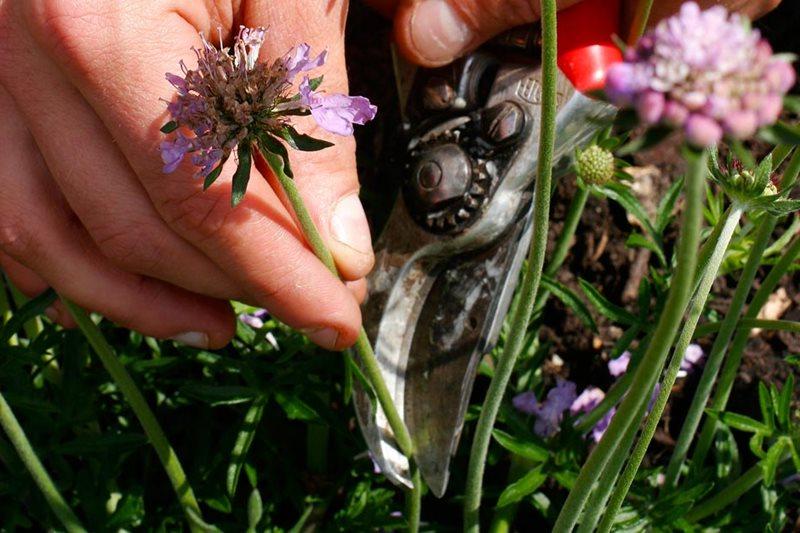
x=435, y=32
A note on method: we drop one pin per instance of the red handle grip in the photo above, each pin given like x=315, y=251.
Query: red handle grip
x=585, y=47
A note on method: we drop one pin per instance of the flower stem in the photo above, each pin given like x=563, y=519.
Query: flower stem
x=414, y=499
x=729, y=494
x=28, y=456
x=649, y=369
x=5, y=305
x=136, y=400
x=640, y=18
x=362, y=345
x=729, y=224
x=731, y=367
x=533, y=275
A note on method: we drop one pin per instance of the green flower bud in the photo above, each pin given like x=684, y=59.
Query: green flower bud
x=595, y=165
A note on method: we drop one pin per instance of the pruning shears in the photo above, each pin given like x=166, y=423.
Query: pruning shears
x=448, y=258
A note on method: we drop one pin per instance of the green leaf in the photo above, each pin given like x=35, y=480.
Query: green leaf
x=255, y=509
x=524, y=486
x=605, y=307
x=216, y=395
x=301, y=141
x=650, y=138
x=526, y=449
x=744, y=423
x=780, y=133
x=213, y=175
x=623, y=196
x=30, y=310
x=169, y=127
x=792, y=103
x=276, y=155
x=640, y=241
x=295, y=408
x=780, y=208
x=242, y=174
x=571, y=300
x=726, y=453
x=667, y=205
x=783, y=409
x=244, y=440
x=763, y=173
x=765, y=402
x=769, y=465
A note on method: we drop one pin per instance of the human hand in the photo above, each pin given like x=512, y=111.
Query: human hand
x=435, y=32
x=87, y=210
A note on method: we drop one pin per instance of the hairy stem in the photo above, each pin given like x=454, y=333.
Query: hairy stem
x=34, y=466
x=726, y=332
x=531, y=279
x=652, y=363
x=729, y=224
x=640, y=18
x=155, y=434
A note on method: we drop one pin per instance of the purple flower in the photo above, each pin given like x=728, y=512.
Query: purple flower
x=599, y=429
x=299, y=60
x=618, y=366
x=231, y=98
x=550, y=413
x=525, y=402
x=173, y=152
x=707, y=71
x=336, y=112
x=587, y=401
x=255, y=319
x=691, y=358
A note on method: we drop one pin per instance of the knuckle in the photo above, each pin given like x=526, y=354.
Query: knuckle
x=200, y=215
x=130, y=248
x=14, y=240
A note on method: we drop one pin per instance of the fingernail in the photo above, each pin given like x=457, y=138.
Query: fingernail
x=324, y=337
x=437, y=32
x=195, y=339
x=349, y=225
x=51, y=313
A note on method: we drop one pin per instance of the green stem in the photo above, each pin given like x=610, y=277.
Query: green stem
x=504, y=516
x=729, y=224
x=727, y=329
x=136, y=400
x=414, y=499
x=5, y=305
x=729, y=371
x=749, y=324
x=533, y=275
x=596, y=504
x=362, y=347
x=640, y=18
x=33, y=326
x=23, y=446
x=728, y=495
x=652, y=363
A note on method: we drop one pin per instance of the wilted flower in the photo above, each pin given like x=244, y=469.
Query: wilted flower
x=595, y=166
x=232, y=100
x=707, y=72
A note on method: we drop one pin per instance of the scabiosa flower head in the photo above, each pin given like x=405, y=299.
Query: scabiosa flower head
x=595, y=165
x=707, y=72
x=231, y=100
